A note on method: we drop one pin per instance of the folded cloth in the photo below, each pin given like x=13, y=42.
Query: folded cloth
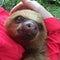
x=9, y=49
x=53, y=38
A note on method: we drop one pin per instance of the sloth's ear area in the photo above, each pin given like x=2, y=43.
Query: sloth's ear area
x=40, y=26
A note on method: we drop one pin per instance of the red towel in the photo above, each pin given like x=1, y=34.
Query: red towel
x=53, y=38
x=9, y=50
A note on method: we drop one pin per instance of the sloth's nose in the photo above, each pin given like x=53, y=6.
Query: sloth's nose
x=28, y=29
x=29, y=25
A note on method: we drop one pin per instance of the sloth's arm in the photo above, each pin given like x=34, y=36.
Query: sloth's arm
x=38, y=7
x=34, y=5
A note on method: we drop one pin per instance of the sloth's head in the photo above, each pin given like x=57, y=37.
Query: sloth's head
x=26, y=26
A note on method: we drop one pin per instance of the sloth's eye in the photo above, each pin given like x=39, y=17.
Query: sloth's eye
x=40, y=26
x=19, y=19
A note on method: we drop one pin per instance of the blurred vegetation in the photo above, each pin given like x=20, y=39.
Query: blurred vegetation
x=53, y=6
x=9, y=4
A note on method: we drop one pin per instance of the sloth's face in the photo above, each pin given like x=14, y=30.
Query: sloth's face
x=25, y=25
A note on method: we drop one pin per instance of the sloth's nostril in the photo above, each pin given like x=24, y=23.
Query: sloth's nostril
x=29, y=25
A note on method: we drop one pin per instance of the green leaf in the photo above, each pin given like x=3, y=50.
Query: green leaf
x=1, y=2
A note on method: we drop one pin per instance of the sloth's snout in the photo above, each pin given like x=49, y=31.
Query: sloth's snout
x=28, y=30
x=29, y=25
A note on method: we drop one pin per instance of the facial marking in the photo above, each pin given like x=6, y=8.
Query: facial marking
x=40, y=26
x=19, y=19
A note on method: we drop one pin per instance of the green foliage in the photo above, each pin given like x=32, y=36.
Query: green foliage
x=52, y=8
x=57, y=2
x=1, y=2
x=9, y=4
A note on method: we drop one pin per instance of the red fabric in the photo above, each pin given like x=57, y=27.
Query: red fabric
x=53, y=39
x=9, y=50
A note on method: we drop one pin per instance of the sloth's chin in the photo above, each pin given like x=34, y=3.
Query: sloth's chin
x=27, y=36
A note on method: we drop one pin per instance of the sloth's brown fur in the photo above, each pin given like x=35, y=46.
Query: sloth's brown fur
x=36, y=48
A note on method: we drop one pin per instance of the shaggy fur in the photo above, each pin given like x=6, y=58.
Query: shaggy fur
x=35, y=47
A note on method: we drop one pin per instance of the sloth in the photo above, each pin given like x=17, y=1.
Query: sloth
x=26, y=27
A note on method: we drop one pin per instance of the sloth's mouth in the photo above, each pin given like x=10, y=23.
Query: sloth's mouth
x=27, y=35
